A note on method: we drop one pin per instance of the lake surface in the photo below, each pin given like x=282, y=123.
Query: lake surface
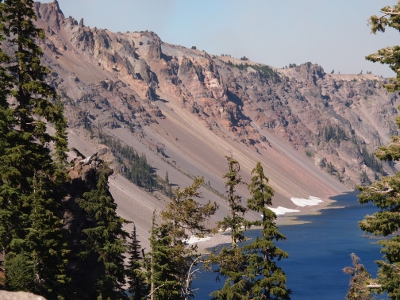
x=318, y=251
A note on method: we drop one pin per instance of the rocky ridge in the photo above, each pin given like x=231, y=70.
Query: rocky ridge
x=187, y=109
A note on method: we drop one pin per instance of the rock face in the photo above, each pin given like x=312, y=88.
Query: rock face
x=308, y=128
x=4, y=295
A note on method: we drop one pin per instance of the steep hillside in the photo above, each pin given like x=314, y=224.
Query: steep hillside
x=186, y=109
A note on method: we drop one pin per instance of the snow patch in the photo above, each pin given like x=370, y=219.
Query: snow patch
x=280, y=210
x=311, y=201
x=194, y=239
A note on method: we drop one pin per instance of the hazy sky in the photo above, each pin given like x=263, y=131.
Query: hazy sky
x=331, y=33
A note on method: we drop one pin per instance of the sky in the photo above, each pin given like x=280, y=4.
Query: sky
x=333, y=34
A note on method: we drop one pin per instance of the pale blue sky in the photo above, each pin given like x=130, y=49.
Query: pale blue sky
x=333, y=34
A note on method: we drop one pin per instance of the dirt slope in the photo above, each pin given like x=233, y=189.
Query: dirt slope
x=186, y=110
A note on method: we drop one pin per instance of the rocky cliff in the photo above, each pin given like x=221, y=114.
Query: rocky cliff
x=314, y=132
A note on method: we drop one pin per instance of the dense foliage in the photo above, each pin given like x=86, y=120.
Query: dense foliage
x=39, y=255
x=35, y=251
x=250, y=272
x=31, y=241
x=171, y=260
x=384, y=193
x=105, y=240
x=262, y=70
x=268, y=281
x=135, y=167
x=359, y=282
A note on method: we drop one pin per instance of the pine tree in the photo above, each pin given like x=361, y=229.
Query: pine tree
x=135, y=272
x=7, y=123
x=161, y=264
x=236, y=220
x=360, y=279
x=267, y=280
x=30, y=192
x=231, y=262
x=105, y=240
x=172, y=259
x=385, y=192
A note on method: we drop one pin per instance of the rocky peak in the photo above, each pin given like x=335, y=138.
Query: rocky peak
x=50, y=13
x=330, y=117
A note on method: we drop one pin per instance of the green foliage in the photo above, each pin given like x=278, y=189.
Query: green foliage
x=171, y=260
x=230, y=262
x=267, y=280
x=136, y=168
x=135, y=269
x=371, y=161
x=336, y=134
x=330, y=168
x=390, y=152
x=309, y=153
x=385, y=192
x=20, y=272
x=235, y=220
x=30, y=179
x=161, y=264
x=359, y=281
x=388, y=55
x=364, y=179
x=264, y=71
x=251, y=272
x=105, y=239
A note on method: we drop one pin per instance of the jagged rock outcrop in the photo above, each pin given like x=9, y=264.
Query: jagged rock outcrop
x=134, y=80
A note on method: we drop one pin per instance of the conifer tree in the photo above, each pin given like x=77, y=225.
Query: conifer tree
x=235, y=220
x=360, y=279
x=172, y=258
x=385, y=192
x=30, y=192
x=161, y=264
x=135, y=269
x=267, y=280
x=231, y=261
x=105, y=240
x=7, y=123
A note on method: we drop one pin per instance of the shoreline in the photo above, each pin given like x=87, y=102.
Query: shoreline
x=289, y=219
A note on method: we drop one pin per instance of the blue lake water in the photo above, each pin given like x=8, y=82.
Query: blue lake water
x=318, y=251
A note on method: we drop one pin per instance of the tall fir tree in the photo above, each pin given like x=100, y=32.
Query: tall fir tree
x=161, y=264
x=267, y=280
x=231, y=262
x=235, y=221
x=385, y=192
x=30, y=184
x=135, y=269
x=105, y=240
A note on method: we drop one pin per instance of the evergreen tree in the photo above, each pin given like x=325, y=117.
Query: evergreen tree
x=172, y=258
x=385, y=192
x=30, y=192
x=105, y=240
x=231, y=262
x=161, y=264
x=267, y=280
x=360, y=279
x=235, y=220
x=135, y=273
